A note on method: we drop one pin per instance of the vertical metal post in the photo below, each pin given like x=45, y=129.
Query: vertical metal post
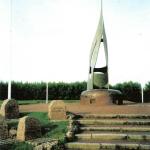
x=46, y=92
x=10, y=52
x=142, y=93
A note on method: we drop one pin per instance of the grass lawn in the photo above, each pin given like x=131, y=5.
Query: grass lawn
x=20, y=146
x=28, y=102
x=49, y=128
x=55, y=129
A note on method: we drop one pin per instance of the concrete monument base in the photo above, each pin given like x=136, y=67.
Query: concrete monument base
x=101, y=97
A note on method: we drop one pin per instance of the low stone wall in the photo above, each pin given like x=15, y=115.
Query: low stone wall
x=3, y=128
x=43, y=143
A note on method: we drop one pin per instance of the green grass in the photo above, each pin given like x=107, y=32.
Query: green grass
x=49, y=128
x=71, y=101
x=41, y=116
x=21, y=146
x=58, y=130
x=55, y=130
x=28, y=102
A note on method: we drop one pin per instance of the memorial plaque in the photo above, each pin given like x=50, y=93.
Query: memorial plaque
x=57, y=110
x=28, y=128
x=10, y=109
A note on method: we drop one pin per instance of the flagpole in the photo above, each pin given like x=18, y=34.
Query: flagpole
x=10, y=52
x=46, y=92
x=142, y=93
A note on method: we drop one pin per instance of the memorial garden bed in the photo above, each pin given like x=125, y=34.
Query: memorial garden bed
x=50, y=129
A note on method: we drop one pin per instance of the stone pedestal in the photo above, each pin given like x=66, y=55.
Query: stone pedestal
x=28, y=128
x=100, y=97
x=57, y=110
x=10, y=109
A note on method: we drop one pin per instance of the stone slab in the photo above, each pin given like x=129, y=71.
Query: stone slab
x=10, y=109
x=57, y=110
x=28, y=128
x=99, y=97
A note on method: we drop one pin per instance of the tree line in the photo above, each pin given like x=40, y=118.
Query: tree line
x=69, y=91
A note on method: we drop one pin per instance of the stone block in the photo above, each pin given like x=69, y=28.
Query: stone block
x=99, y=97
x=28, y=128
x=96, y=97
x=10, y=109
x=57, y=110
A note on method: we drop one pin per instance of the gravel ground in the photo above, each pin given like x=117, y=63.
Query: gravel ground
x=128, y=108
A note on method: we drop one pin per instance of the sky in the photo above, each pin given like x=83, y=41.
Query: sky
x=51, y=39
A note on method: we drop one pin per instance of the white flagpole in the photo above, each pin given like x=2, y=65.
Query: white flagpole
x=46, y=92
x=10, y=53
x=142, y=93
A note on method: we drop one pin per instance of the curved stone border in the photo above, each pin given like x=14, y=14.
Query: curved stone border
x=73, y=128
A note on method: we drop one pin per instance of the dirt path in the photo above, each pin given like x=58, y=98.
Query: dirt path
x=78, y=108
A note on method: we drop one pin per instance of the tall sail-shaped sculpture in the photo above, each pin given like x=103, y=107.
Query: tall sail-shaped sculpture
x=98, y=77
x=98, y=92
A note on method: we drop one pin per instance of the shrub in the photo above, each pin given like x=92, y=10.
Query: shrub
x=131, y=90
x=147, y=92
x=37, y=91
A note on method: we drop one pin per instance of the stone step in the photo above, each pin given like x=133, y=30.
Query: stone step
x=97, y=137
x=116, y=128
x=119, y=116
x=114, y=132
x=86, y=122
x=117, y=145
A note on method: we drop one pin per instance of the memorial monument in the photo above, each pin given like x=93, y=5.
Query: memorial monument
x=98, y=91
x=10, y=109
x=28, y=128
x=57, y=110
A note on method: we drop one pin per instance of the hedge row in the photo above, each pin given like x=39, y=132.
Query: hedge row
x=69, y=91
x=131, y=90
x=147, y=92
x=28, y=91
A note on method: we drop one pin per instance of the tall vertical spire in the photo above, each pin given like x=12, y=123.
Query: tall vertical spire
x=101, y=7
x=98, y=77
x=10, y=53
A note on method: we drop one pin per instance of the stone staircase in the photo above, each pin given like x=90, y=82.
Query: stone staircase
x=113, y=132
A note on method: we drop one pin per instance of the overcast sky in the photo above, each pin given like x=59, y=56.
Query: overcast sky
x=51, y=39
